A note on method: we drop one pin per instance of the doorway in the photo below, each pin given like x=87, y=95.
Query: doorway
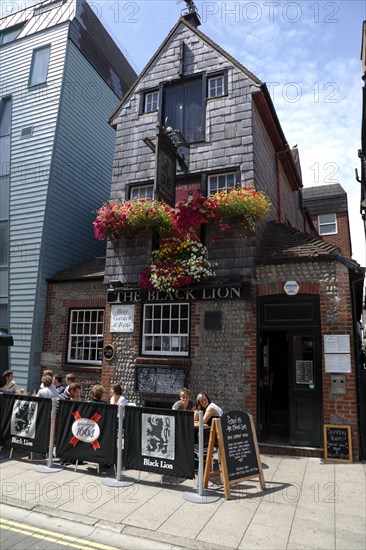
x=290, y=391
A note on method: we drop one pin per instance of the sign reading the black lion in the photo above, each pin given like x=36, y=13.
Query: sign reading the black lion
x=240, y=452
x=337, y=443
x=162, y=380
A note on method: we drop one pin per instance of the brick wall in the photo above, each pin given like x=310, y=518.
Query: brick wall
x=342, y=238
x=61, y=298
x=329, y=280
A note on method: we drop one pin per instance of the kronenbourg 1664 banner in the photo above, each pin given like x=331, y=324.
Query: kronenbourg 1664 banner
x=25, y=422
x=160, y=441
x=87, y=431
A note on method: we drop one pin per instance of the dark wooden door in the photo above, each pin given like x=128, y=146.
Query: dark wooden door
x=264, y=387
x=305, y=393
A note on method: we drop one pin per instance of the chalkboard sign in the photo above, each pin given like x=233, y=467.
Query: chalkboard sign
x=241, y=458
x=337, y=443
x=234, y=434
x=160, y=379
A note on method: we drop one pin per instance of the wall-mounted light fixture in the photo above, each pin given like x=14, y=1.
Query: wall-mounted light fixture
x=116, y=284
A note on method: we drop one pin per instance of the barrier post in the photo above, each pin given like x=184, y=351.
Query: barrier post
x=50, y=467
x=118, y=481
x=203, y=496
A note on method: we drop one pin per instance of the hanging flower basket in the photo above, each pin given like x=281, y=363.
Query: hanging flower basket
x=175, y=264
x=242, y=205
x=127, y=218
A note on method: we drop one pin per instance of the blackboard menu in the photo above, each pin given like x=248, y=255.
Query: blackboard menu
x=239, y=445
x=337, y=443
x=160, y=379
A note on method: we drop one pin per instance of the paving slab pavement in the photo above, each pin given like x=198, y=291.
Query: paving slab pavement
x=307, y=504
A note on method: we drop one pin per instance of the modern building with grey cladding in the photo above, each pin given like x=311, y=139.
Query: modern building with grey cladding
x=61, y=77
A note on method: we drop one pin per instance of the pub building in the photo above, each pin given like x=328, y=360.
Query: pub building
x=275, y=331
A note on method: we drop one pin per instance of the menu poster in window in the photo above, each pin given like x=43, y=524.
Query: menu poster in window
x=122, y=318
x=304, y=372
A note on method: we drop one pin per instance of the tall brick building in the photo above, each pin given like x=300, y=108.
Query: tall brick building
x=275, y=330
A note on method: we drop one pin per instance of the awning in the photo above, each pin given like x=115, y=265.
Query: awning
x=6, y=339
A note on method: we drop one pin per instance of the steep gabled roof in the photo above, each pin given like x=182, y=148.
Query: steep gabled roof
x=281, y=243
x=205, y=38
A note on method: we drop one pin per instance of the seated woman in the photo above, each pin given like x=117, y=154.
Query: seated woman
x=210, y=410
x=96, y=394
x=184, y=403
x=116, y=395
x=7, y=382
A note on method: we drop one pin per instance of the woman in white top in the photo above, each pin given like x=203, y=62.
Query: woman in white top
x=116, y=395
x=210, y=410
x=7, y=382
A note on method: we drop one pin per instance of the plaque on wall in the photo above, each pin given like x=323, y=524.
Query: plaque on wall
x=109, y=351
x=336, y=343
x=337, y=362
x=122, y=318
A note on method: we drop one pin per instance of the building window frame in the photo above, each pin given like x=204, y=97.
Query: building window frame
x=184, y=106
x=327, y=224
x=217, y=85
x=165, y=329
x=86, y=336
x=144, y=191
x=221, y=182
x=149, y=101
x=38, y=72
x=10, y=34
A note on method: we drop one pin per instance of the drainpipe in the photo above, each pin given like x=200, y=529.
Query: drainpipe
x=361, y=426
x=279, y=205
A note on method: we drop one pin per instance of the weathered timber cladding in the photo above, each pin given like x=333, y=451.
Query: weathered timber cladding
x=126, y=258
x=228, y=119
x=232, y=251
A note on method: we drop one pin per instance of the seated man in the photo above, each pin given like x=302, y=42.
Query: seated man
x=184, y=403
x=47, y=388
x=71, y=393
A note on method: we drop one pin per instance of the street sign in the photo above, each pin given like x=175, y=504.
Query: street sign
x=165, y=169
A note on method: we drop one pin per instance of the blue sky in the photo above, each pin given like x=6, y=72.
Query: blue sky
x=308, y=53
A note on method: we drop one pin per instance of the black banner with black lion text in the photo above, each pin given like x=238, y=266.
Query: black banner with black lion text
x=25, y=422
x=87, y=431
x=160, y=441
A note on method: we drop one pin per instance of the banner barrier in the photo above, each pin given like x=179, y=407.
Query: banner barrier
x=50, y=467
x=155, y=440
x=118, y=481
x=87, y=431
x=159, y=441
x=25, y=422
x=202, y=496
